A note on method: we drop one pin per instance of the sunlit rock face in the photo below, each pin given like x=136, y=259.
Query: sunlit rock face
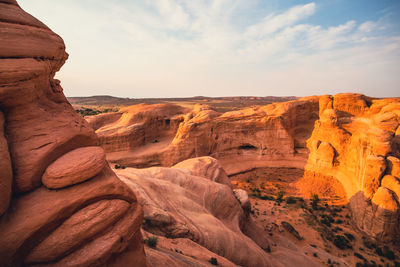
x=60, y=203
x=153, y=135
x=356, y=142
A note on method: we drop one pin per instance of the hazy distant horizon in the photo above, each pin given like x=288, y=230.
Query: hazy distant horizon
x=226, y=96
x=182, y=48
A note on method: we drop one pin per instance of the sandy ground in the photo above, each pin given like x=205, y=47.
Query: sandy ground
x=317, y=227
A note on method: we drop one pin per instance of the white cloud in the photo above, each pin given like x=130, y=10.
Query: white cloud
x=272, y=23
x=183, y=47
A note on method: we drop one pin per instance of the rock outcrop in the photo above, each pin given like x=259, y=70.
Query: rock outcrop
x=188, y=208
x=153, y=135
x=356, y=142
x=92, y=219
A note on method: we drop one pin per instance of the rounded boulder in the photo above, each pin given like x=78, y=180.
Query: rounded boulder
x=74, y=167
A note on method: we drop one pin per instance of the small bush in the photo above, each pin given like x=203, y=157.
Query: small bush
x=326, y=222
x=379, y=251
x=290, y=200
x=119, y=166
x=337, y=229
x=213, y=261
x=339, y=221
x=151, y=241
x=388, y=253
x=279, y=196
x=349, y=236
x=341, y=242
x=267, y=249
x=368, y=243
x=358, y=255
x=300, y=199
x=314, y=201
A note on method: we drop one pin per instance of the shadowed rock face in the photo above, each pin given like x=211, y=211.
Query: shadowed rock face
x=356, y=142
x=60, y=203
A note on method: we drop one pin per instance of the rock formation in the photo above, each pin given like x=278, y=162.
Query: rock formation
x=350, y=142
x=60, y=203
x=356, y=142
x=152, y=135
x=193, y=203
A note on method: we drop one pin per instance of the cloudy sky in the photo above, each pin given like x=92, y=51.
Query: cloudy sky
x=179, y=48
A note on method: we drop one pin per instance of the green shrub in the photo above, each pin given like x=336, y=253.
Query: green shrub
x=388, y=253
x=279, y=196
x=326, y=222
x=268, y=249
x=368, y=243
x=290, y=200
x=337, y=229
x=379, y=251
x=349, y=236
x=213, y=261
x=339, y=221
x=151, y=241
x=314, y=201
x=341, y=242
x=358, y=255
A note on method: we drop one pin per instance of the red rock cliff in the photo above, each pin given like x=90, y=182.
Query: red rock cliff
x=60, y=203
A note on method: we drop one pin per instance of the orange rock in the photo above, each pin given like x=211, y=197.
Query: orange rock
x=272, y=135
x=207, y=167
x=74, y=167
x=352, y=142
x=92, y=218
x=6, y=172
x=177, y=204
x=392, y=183
x=394, y=166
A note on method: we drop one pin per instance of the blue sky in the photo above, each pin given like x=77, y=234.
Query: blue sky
x=180, y=48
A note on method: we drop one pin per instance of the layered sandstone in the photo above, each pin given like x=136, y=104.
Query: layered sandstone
x=190, y=208
x=356, y=142
x=152, y=135
x=92, y=218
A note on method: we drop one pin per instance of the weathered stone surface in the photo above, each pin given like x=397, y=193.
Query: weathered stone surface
x=6, y=171
x=274, y=135
x=392, y=183
x=243, y=198
x=207, y=167
x=136, y=126
x=362, y=148
x=74, y=167
x=394, y=166
x=86, y=224
x=384, y=224
x=177, y=204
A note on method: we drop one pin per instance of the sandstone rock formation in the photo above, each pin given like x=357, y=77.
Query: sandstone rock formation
x=92, y=218
x=187, y=207
x=356, y=142
x=152, y=135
